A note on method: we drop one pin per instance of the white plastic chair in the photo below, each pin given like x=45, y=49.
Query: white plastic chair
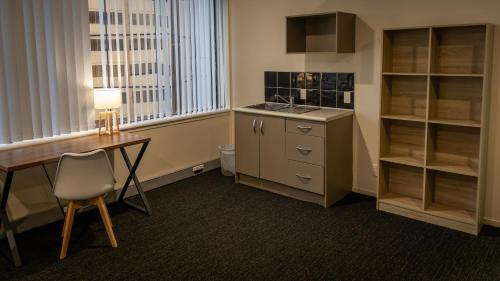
x=83, y=179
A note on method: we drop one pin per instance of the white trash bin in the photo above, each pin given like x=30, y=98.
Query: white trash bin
x=227, y=159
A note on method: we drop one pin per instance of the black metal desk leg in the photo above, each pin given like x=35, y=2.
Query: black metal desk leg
x=7, y=227
x=132, y=176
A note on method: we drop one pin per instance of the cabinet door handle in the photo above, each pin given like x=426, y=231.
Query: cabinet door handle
x=304, y=128
x=261, y=126
x=303, y=177
x=300, y=148
x=253, y=126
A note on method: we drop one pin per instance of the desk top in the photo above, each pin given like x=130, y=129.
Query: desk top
x=35, y=155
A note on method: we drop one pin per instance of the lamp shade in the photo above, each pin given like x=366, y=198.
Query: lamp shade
x=109, y=98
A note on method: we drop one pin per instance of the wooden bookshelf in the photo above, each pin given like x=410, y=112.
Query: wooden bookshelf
x=402, y=142
x=458, y=49
x=404, y=96
x=434, y=123
x=406, y=51
x=456, y=100
x=464, y=123
x=401, y=185
x=453, y=149
x=404, y=117
x=404, y=73
x=451, y=196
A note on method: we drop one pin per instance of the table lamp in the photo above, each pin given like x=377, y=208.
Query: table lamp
x=108, y=99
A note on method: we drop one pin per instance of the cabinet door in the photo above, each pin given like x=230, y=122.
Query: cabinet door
x=272, y=149
x=247, y=144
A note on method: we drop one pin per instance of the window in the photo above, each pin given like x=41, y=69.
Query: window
x=175, y=52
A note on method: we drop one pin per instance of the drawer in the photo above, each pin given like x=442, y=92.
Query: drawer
x=305, y=149
x=305, y=128
x=305, y=176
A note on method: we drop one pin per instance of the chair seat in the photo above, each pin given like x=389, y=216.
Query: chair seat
x=84, y=194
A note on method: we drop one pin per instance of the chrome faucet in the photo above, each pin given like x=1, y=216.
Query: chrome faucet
x=290, y=103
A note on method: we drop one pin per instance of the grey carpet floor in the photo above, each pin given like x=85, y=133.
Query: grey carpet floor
x=208, y=228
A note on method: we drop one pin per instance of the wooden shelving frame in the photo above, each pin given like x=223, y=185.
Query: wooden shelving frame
x=434, y=121
x=318, y=33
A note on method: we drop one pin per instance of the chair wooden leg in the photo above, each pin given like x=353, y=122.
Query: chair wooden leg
x=68, y=224
x=65, y=222
x=107, y=221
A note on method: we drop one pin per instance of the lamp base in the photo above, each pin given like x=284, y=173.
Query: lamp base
x=109, y=123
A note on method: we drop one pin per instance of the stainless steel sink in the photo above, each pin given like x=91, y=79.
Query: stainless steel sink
x=299, y=109
x=271, y=106
x=280, y=107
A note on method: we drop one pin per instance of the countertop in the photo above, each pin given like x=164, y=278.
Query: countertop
x=322, y=115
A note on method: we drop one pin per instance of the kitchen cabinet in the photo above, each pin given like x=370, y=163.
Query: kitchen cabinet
x=303, y=159
x=247, y=145
x=260, y=146
x=272, y=148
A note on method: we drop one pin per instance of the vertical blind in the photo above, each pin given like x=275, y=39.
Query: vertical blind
x=169, y=57
x=45, y=70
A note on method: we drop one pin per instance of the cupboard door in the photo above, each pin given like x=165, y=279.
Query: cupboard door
x=247, y=144
x=272, y=148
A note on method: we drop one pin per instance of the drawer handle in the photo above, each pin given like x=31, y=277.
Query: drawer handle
x=304, y=128
x=253, y=126
x=308, y=178
x=303, y=149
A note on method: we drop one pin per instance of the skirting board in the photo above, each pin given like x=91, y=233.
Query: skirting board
x=173, y=177
x=363, y=191
x=53, y=215
x=491, y=222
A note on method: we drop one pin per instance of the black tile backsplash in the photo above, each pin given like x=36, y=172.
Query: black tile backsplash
x=329, y=81
x=270, y=79
x=284, y=79
x=295, y=93
x=313, y=97
x=284, y=93
x=313, y=80
x=345, y=82
x=298, y=80
x=342, y=104
x=270, y=94
x=329, y=98
x=322, y=89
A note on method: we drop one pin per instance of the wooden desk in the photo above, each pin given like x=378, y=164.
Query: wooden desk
x=36, y=155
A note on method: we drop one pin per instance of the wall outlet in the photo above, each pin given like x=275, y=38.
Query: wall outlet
x=347, y=97
x=198, y=169
x=303, y=94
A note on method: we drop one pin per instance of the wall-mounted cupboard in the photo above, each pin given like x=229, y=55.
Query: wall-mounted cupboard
x=434, y=121
x=329, y=32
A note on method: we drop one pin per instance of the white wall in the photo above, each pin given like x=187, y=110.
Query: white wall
x=176, y=146
x=258, y=33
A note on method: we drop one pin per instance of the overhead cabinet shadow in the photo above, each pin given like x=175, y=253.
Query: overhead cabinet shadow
x=332, y=32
